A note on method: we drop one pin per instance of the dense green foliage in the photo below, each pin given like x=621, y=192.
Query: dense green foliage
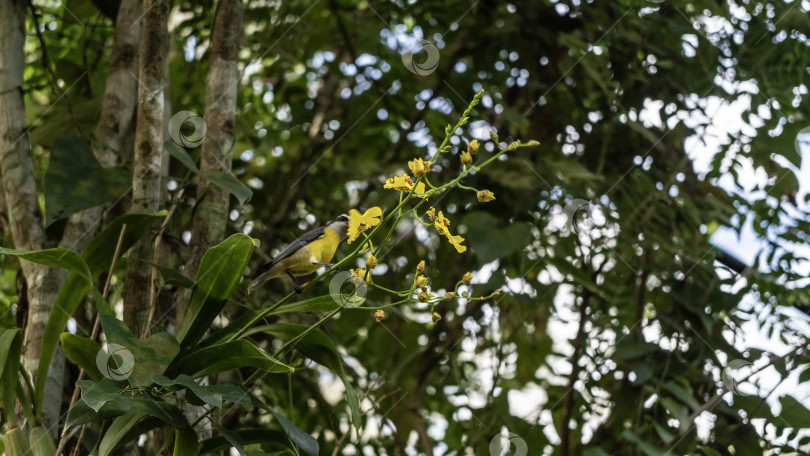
x=619, y=328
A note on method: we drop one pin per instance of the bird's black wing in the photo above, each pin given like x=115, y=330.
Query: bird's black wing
x=293, y=247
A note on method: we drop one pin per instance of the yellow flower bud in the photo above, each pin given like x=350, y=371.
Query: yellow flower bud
x=419, y=167
x=472, y=147
x=379, y=315
x=485, y=195
x=421, y=281
x=466, y=158
x=423, y=297
x=420, y=268
x=449, y=296
x=371, y=261
x=467, y=278
x=436, y=317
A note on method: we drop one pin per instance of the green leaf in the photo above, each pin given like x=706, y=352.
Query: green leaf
x=75, y=180
x=318, y=304
x=648, y=448
x=10, y=351
x=226, y=356
x=150, y=356
x=98, y=256
x=304, y=441
x=173, y=277
x=233, y=439
x=186, y=442
x=220, y=271
x=221, y=179
x=317, y=346
x=230, y=184
x=108, y=399
x=212, y=395
x=54, y=258
x=83, y=351
x=247, y=437
x=119, y=428
x=490, y=241
x=793, y=413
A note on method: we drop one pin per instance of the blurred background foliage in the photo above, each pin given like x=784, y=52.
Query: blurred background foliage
x=614, y=333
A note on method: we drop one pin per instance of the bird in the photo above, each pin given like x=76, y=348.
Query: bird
x=306, y=254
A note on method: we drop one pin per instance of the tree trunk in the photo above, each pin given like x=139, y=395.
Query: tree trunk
x=146, y=180
x=211, y=213
x=25, y=216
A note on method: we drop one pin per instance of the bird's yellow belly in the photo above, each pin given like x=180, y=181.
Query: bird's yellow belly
x=319, y=251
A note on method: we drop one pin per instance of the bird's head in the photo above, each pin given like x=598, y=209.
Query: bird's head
x=341, y=225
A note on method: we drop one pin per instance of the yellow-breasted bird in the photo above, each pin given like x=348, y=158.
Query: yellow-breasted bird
x=305, y=255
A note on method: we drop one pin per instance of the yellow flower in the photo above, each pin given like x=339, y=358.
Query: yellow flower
x=472, y=147
x=404, y=183
x=441, y=223
x=456, y=241
x=467, y=278
x=466, y=158
x=401, y=183
x=371, y=261
x=485, y=196
x=419, y=167
x=420, y=281
x=436, y=317
x=361, y=222
x=420, y=268
x=431, y=213
x=358, y=275
x=379, y=315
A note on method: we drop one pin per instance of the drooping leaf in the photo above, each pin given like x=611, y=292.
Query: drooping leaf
x=108, y=399
x=119, y=428
x=247, y=437
x=173, y=277
x=75, y=180
x=98, y=256
x=210, y=394
x=220, y=270
x=317, y=346
x=83, y=351
x=10, y=351
x=54, y=258
x=305, y=442
x=226, y=356
x=223, y=180
x=186, y=442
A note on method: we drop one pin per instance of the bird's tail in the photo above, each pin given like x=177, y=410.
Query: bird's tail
x=262, y=278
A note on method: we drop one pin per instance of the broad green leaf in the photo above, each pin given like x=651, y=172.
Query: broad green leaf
x=794, y=414
x=150, y=356
x=83, y=351
x=229, y=183
x=210, y=394
x=108, y=399
x=10, y=351
x=75, y=180
x=233, y=439
x=221, y=179
x=318, y=304
x=226, y=356
x=186, y=442
x=304, y=441
x=491, y=240
x=247, y=437
x=173, y=277
x=317, y=346
x=116, y=432
x=54, y=258
x=220, y=271
x=98, y=256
